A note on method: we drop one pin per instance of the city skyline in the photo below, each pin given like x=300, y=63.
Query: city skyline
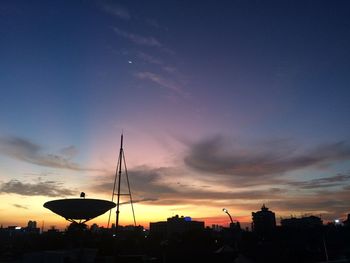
x=231, y=104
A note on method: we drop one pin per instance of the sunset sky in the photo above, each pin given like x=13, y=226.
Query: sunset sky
x=222, y=104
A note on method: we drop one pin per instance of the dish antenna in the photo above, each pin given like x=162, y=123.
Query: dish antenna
x=79, y=210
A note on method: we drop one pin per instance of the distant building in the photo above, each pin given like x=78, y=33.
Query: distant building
x=303, y=222
x=175, y=225
x=94, y=228
x=264, y=221
x=32, y=228
x=216, y=228
x=31, y=224
x=12, y=231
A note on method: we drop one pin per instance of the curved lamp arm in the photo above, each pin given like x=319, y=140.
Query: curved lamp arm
x=226, y=211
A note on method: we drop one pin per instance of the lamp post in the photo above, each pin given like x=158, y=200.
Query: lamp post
x=226, y=211
x=235, y=234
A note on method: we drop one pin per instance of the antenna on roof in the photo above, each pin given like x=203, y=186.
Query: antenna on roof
x=117, y=178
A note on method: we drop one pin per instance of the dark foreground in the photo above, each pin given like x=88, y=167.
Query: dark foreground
x=209, y=245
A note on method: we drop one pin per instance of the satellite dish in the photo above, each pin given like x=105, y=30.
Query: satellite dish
x=80, y=209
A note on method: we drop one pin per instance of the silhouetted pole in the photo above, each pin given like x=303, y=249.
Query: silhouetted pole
x=119, y=177
x=127, y=180
x=226, y=211
x=232, y=226
x=325, y=247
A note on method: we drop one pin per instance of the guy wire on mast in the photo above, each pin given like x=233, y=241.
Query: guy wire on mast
x=117, y=178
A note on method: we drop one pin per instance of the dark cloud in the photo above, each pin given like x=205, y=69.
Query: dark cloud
x=330, y=204
x=41, y=188
x=270, y=193
x=27, y=151
x=143, y=181
x=220, y=156
x=347, y=187
x=20, y=206
x=154, y=184
x=332, y=181
x=147, y=183
x=170, y=186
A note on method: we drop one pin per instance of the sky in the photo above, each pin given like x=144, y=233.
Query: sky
x=229, y=104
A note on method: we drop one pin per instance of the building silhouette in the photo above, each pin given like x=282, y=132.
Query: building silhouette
x=32, y=227
x=264, y=221
x=174, y=225
x=31, y=224
x=303, y=222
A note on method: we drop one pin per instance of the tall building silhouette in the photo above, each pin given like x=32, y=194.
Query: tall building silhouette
x=264, y=221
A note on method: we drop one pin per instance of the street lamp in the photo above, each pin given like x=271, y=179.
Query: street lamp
x=226, y=211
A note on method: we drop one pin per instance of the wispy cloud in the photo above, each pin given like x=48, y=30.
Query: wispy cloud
x=221, y=156
x=154, y=23
x=69, y=152
x=162, y=82
x=156, y=61
x=138, y=39
x=41, y=188
x=27, y=151
x=117, y=11
x=150, y=59
x=143, y=200
x=331, y=204
x=20, y=206
x=325, y=182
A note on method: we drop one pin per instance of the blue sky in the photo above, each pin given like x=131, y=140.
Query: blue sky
x=241, y=96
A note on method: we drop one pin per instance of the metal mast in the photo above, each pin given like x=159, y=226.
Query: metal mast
x=117, y=178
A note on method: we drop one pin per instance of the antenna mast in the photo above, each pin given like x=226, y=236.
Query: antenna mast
x=117, y=178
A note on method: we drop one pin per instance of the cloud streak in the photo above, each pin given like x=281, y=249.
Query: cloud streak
x=215, y=156
x=20, y=206
x=41, y=188
x=145, y=182
x=117, y=11
x=155, y=185
x=150, y=59
x=161, y=81
x=325, y=182
x=138, y=39
x=24, y=150
x=143, y=200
